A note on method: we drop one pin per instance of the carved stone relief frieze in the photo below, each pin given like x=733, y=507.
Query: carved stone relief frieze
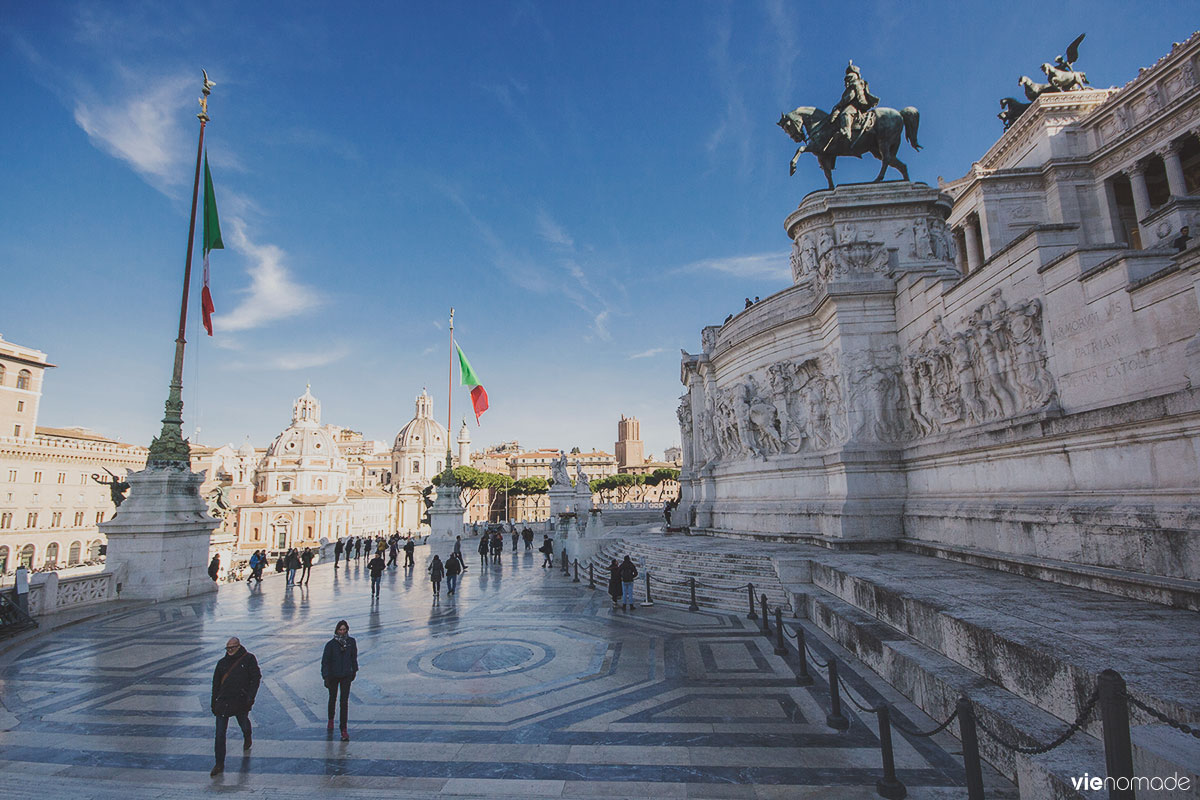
x=994, y=367
x=786, y=408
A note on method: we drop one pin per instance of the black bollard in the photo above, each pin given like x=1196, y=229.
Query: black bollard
x=692, y=586
x=970, y=745
x=780, y=647
x=889, y=786
x=752, y=614
x=835, y=719
x=576, y=571
x=1118, y=751
x=566, y=563
x=591, y=576
x=802, y=677
x=766, y=623
x=649, y=600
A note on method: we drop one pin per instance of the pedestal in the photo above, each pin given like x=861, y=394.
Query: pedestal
x=158, y=541
x=446, y=515
x=562, y=500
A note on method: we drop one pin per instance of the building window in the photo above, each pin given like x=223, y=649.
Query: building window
x=20, y=405
x=285, y=486
x=62, y=477
x=51, y=555
x=83, y=479
x=12, y=476
x=438, y=468
x=37, y=477
x=23, y=378
x=26, y=558
x=16, y=430
x=56, y=519
x=73, y=554
x=94, y=550
x=3, y=550
x=1, y=374
x=31, y=519
x=416, y=466
x=78, y=519
x=6, y=520
x=99, y=517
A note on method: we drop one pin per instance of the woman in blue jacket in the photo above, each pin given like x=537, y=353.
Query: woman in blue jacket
x=339, y=665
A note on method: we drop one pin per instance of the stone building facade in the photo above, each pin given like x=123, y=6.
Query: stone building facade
x=54, y=482
x=1006, y=367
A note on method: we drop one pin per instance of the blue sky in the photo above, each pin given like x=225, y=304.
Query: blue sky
x=587, y=184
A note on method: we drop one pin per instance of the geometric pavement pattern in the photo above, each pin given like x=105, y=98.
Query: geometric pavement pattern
x=523, y=684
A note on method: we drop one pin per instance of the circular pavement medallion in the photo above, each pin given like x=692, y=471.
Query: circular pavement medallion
x=480, y=658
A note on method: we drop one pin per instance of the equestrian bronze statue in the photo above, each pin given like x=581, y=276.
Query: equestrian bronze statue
x=856, y=125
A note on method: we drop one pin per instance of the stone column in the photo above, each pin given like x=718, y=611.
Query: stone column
x=1109, y=218
x=1141, y=198
x=1174, y=166
x=973, y=250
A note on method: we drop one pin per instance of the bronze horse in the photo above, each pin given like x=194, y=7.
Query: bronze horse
x=812, y=128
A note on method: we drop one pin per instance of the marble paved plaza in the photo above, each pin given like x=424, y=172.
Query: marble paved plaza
x=524, y=684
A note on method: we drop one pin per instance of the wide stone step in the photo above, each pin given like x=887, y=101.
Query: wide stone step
x=1009, y=648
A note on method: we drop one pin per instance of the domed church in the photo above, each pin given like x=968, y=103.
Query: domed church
x=299, y=488
x=419, y=454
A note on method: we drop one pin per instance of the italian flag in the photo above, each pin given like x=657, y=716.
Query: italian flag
x=479, y=398
x=212, y=241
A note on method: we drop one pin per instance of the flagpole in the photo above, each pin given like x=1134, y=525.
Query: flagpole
x=169, y=447
x=450, y=384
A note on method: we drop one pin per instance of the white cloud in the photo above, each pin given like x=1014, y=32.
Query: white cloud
x=648, y=353
x=273, y=293
x=769, y=266
x=143, y=128
x=289, y=362
x=552, y=232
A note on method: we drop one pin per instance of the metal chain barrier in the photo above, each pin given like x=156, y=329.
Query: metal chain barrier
x=1163, y=718
x=743, y=587
x=1071, y=730
x=926, y=734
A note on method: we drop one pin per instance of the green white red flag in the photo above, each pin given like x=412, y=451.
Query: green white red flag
x=479, y=398
x=212, y=241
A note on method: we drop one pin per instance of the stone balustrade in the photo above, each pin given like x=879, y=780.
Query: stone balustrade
x=50, y=593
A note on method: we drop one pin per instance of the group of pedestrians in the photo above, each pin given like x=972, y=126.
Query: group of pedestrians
x=358, y=547
x=237, y=677
x=621, y=576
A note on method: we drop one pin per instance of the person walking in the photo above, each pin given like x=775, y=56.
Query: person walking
x=376, y=565
x=306, y=562
x=337, y=552
x=393, y=552
x=234, y=687
x=262, y=564
x=614, y=582
x=214, y=567
x=453, y=569
x=483, y=550
x=527, y=535
x=547, y=551
x=254, y=562
x=409, y=547
x=629, y=573
x=457, y=548
x=357, y=548
x=339, y=667
x=292, y=563
x=497, y=546
x=515, y=537
x=436, y=571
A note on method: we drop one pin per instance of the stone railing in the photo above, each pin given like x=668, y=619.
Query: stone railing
x=632, y=506
x=50, y=594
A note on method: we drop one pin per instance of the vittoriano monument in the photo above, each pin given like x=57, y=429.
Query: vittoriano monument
x=1061, y=76
x=856, y=125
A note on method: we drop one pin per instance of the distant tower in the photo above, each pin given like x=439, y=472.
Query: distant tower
x=629, y=443
x=464, y=445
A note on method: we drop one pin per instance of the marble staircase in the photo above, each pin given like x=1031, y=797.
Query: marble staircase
x=1027, y=652
x=721, y=576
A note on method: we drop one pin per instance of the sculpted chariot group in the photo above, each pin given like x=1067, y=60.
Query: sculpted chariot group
x=994, y=368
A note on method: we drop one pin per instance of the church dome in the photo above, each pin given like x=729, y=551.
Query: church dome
x=422, y=434
x=304, y=438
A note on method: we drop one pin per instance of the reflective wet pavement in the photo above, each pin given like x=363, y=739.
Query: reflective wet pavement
x=523, y=684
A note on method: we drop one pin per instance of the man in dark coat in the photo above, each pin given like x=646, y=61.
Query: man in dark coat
x=337, y=552
x=234, y=687
x=409, y=546
x=339, y=667
x=306, y=562
x=214, y=567
x=547, y=550
x=527, y=535
x=454, y=567
x=629, y=573
x=376, y=566
x=292, y=563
